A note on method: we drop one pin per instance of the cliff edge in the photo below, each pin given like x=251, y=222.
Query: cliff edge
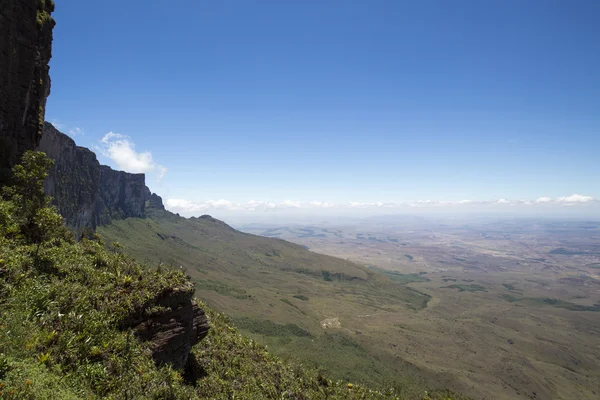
x=86, y=193
x=25, y=51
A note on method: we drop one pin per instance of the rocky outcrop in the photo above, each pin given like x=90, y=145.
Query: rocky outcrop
x=86, y=193
x=25, y=50
x=173, y=324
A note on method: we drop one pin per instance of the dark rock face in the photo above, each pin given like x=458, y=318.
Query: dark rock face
x=174, y=329
x=25, y=50
x=86, y=193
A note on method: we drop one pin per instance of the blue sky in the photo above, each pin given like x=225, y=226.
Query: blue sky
x=284, y=103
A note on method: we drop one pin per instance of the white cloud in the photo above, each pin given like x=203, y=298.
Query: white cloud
x=190, y=207
x=321, y=204
x=121, y=149
x=576, y=198
x=357, y=204
x=292, y=204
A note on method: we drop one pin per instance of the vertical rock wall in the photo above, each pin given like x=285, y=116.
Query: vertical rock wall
x=25, y=51
x=86, y=193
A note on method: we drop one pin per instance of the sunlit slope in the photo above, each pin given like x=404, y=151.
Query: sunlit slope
x=304, y=305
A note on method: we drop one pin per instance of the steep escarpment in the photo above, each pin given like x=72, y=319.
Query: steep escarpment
x=25, y=50
x=86, y=193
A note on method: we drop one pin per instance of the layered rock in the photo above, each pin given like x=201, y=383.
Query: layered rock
x=86, y=193
x=173, y=324
x=25, y=50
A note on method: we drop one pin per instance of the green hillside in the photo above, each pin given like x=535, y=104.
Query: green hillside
x=305, y=306
x=66, y=309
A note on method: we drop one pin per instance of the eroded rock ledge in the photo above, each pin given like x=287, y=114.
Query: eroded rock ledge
x=173, y=323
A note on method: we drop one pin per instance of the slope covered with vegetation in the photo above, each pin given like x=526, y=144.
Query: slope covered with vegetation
x=62, y=310
x=308, y=307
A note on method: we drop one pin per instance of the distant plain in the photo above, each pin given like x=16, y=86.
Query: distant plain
x=514, y=308
x=495, y=309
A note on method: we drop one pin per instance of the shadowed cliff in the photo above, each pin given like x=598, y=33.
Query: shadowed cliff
x=25, y=50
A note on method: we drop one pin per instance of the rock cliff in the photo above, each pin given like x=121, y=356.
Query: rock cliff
x=25, y=50
x=86, y=193
x=176, y=325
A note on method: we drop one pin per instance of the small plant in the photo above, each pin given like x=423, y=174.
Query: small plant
x=4, y=365
x=44, y=358
x=127, y=281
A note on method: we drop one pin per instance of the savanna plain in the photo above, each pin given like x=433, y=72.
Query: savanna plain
x=510, y=307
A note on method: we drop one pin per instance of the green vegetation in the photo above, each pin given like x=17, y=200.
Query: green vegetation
x=45, y=7
x=221, y=288
x=511, y=287
x=62, y=303
x=252, y=373
x=331, y=348
x=565, y=252
x=546, y=301
x=400, y=278
x=65, y=312
x=251, y=276
x=467, y=288
x=269, y=328
x=595, y=266
x=409, y=257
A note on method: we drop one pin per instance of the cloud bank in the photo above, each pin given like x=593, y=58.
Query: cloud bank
x=121, y=149
x=190, y=207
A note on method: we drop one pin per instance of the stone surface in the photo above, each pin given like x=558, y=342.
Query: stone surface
x=86, y=193
x=175, y=329
x=25, y=50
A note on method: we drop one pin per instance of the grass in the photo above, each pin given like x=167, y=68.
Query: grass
x=60, y=337
x=547, y=301
x=512, y=287
x=402, y=279
x=565, y=252
x=221, y=288
x=248, y=276
x=269, y=328
x=253, y=373
x=64, y=323
x=467, y=288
